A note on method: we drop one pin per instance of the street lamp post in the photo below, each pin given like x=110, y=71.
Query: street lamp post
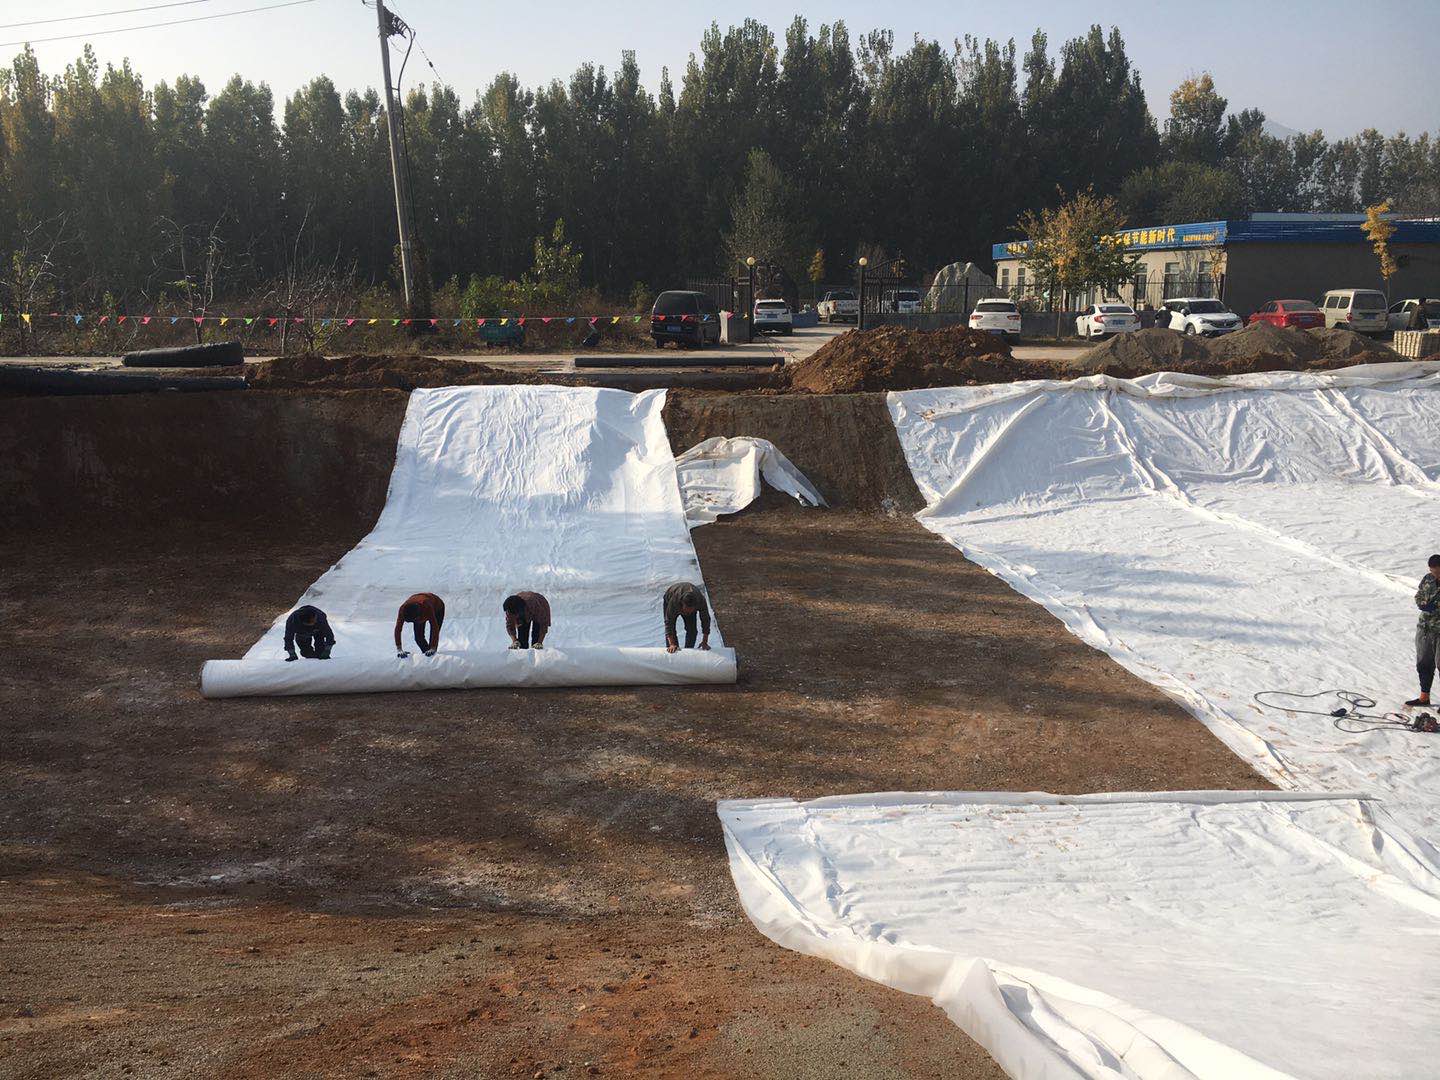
x=860, y=312
x=750, y=299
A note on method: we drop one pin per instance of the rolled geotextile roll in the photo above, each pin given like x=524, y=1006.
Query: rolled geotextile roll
x=216, y=354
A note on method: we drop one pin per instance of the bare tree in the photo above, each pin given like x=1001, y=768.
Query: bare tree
x=30, y=274
x=197, y=254
x=309, y=292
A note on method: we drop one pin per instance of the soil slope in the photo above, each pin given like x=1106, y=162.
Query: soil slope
x=1260, y=347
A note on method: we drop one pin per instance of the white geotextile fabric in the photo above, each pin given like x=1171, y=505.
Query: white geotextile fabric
x=1218, y=538
x=569, y=492
x=1157, y=936
x=721, y=476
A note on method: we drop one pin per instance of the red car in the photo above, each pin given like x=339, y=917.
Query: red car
x=1301, y=314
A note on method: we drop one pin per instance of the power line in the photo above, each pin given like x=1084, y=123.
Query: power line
x=154, y=26
x=103, y=14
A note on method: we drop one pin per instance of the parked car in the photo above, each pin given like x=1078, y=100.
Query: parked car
x=509, y=332
x=686, y=317
x=1102, y=320
x=1201, y=315
x=1361, y=310
x=773, y=315
x=838, y=305
x=1400, y=314
x=905, y=302
x=997, y=317
x=1301, y=314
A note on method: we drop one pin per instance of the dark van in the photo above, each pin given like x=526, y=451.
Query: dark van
x=689, y=317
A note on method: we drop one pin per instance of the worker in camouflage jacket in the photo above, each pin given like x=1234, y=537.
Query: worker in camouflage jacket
x=1427, y=634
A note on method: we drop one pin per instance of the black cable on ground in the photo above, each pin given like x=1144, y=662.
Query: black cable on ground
x=1353, y=718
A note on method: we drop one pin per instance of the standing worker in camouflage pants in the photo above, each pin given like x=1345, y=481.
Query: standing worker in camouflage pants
x=1427, y=634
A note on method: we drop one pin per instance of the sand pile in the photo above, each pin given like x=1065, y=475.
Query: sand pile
x=314, y=372
x=1260, y=347
x=894, y=358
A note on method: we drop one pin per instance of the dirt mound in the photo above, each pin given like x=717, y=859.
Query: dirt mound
x=314, y=372
x=1260, y=347
x=894, y=358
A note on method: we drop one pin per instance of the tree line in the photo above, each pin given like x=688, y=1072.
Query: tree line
x=803, y=151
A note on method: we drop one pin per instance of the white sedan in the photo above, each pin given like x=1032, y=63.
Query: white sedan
x=1201, y=315
x=1102, y=320
x=1401, y=314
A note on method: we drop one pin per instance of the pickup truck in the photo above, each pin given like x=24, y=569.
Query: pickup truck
x=838, y=305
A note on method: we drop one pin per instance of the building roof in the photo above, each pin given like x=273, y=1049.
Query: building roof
x=1257, y=229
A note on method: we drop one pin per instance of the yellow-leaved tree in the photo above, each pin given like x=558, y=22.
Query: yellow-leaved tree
x=1379, y=229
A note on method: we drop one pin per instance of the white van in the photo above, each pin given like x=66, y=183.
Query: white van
x=1361, y=310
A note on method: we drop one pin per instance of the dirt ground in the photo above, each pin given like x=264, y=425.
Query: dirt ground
x=497, y=883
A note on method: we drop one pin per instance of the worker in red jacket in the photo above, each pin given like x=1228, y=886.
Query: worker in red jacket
x=425, y=612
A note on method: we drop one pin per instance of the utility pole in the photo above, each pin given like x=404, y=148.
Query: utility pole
x=389, y=26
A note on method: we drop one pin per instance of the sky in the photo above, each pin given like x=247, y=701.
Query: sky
x=1336, y=66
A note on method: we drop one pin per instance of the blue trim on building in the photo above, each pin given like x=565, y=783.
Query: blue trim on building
x=1206, y=234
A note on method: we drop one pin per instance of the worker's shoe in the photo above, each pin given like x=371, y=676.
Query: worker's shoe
x=1420, y=702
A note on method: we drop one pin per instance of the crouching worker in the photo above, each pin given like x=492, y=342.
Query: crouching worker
x=527, y=620
x=686, y=602
x=308, y=628
x=425, y=612
x=1427, y=634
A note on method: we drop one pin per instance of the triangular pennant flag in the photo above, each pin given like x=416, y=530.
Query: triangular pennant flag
x=78, y=318
x=224, y=319
x=407, y=322
x=106, y=318
x=504, y=321
x=249, y=320
x=349, y=322
x=298, y=319
x=479, y=322
x=457, y=322
x=520, y=321
x=272, y=321
x=546, y=319
x=324, y=322
x=174, y=319
x=122, y=318
x=371, y=322
x=199, y=319
x=144, y=320
x=434, y=322
x=571, y=319
x=637, y=318
x=614, y=319
x=26, y=318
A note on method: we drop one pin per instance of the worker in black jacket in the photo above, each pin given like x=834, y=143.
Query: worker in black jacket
x=308, y=628
x=685, y=602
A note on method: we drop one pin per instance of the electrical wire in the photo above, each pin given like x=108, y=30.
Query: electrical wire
x=103, y=14
x=154, y=26
x=1352, y=718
